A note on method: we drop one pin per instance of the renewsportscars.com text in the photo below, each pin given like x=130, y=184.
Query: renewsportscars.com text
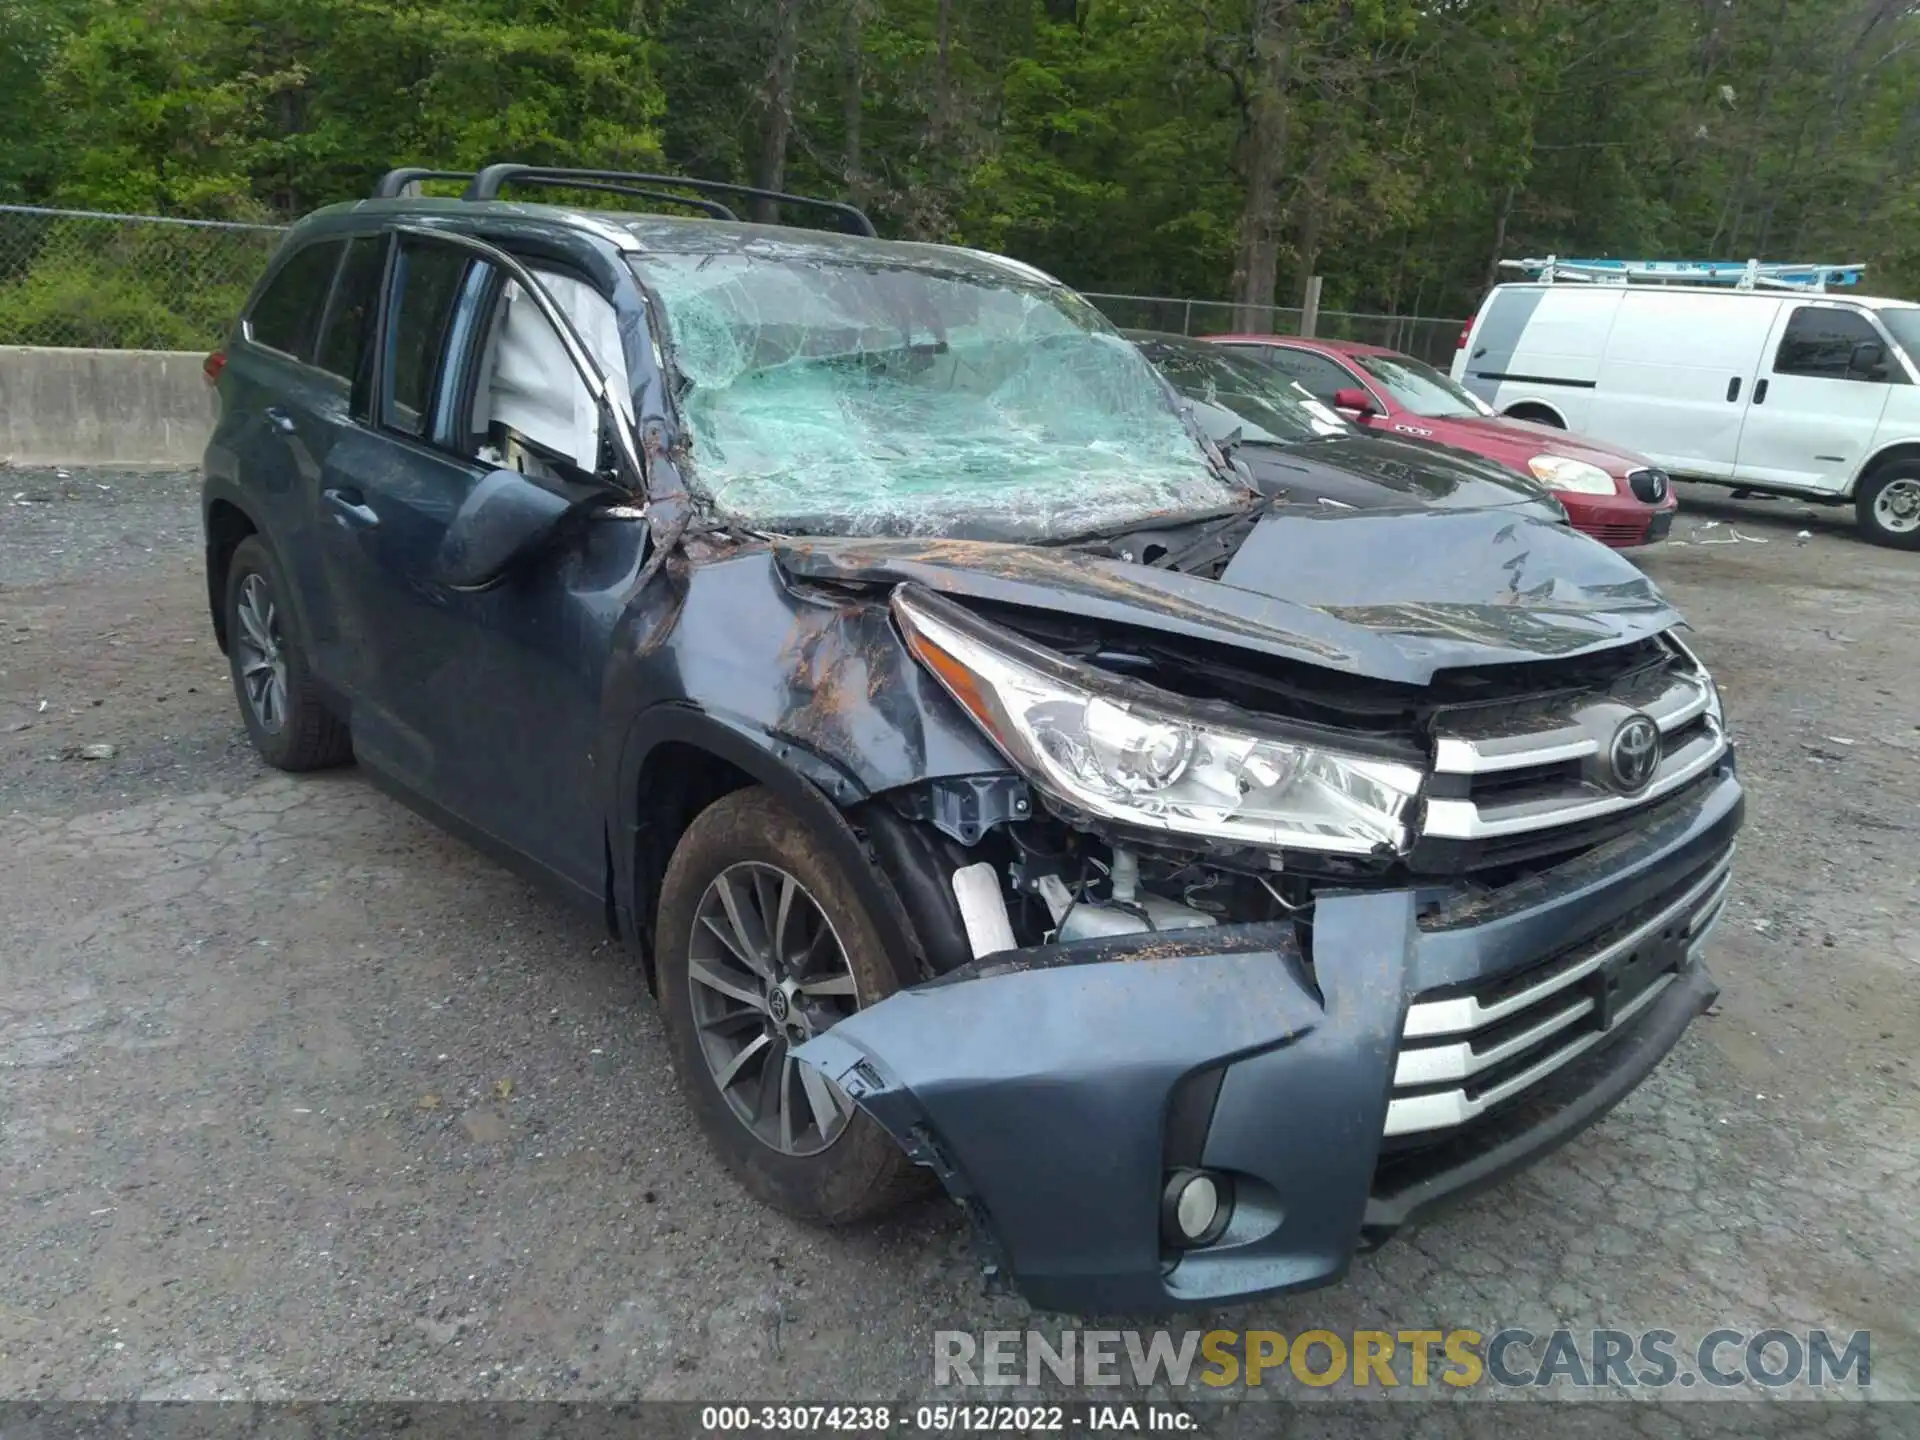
x=1416, y=1359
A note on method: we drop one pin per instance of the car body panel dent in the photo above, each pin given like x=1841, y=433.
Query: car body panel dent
x=1468, y=587
x=808, y=674
x=1038, y=1083
x=1474, y=581
x=1041, y=1088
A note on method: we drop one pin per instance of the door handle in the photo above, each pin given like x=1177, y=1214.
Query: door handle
x=1733, y=388
x=1760, y=393
x=280, y=420
x=350, y=509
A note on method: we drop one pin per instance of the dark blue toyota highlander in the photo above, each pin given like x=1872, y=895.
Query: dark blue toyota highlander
x=1201, y=882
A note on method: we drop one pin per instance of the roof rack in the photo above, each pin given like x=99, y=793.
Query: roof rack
x=486, y=184
x=1740, y=274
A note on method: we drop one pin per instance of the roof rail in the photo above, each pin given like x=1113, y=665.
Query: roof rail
x=1741, y=275
x=489, y=182
x=486, y=184
x=396, y=183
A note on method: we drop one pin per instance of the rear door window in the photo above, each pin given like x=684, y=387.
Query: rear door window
x=287, y=314
x=1819, y=341
x=343, y=333
x=427, y=282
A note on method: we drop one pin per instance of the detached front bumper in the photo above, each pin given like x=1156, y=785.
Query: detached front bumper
x=1403, y=1064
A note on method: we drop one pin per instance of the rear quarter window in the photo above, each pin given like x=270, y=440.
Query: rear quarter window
x=286, y=315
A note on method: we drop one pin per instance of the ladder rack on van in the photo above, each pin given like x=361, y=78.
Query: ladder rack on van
x=1741, y=275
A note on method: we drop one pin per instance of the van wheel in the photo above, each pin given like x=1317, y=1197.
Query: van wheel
x=761, y=944
x=1538, y=414
x=287, y=721
x=1888, y=505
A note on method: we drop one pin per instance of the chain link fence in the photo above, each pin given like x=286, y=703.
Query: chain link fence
x=124, y=282
x=140, y=282
x=1426, y=337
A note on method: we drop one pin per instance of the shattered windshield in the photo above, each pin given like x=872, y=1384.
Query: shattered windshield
x=851, y=395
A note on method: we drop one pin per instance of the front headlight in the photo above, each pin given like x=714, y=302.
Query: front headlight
x=1557, y=472
x=1126, y=752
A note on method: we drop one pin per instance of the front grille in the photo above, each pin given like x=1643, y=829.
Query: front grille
x=1618, y=535
x=1463, y=1054
x=1506, y=772
x=1648, y=485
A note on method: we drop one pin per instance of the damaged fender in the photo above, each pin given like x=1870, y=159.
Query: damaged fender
x=1048, y=1088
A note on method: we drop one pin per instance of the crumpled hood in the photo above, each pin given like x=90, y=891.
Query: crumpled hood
x=1390, y=596
x=1517, y=441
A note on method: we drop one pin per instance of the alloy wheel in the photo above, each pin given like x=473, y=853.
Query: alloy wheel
x=766, y=972
x=260, y=653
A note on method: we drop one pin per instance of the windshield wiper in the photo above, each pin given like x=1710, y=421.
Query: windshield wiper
x=1207, y=537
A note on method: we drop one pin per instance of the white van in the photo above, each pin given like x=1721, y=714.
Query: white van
x=1797, y=391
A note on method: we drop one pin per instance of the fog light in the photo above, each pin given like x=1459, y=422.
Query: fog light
x=1194, y=1208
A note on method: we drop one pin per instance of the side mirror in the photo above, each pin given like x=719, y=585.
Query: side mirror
x=1867, y=358
x=503, y=518
x=1356, y=400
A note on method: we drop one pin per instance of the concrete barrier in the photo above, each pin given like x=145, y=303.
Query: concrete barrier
x=103, y=407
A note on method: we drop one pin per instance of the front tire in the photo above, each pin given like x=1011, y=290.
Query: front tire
x=1888, y=505
x=287, y=721
x=761, y=943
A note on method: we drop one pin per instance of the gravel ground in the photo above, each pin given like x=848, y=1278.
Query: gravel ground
x=303, y=1098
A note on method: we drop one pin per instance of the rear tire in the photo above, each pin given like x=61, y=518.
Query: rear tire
x=752, y=904
x=1888, y=505
x=1539, y=415
x=287, y=721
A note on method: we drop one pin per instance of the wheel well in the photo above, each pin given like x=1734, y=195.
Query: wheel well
x=1892, y=455
x=1535, y=411
x=677, y=781
x=227, y=526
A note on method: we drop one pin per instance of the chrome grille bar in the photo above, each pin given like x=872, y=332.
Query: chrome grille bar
x=1685, y=699
x=1546, y=1010
x=1470, y=820
x=1455, y=1107
x=1437, y=1064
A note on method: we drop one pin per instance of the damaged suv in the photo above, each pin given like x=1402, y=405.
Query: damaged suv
x=994, y=785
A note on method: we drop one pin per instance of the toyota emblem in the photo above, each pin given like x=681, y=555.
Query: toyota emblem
x=1634, y=754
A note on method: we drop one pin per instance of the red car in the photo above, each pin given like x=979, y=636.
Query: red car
x=1617, y=497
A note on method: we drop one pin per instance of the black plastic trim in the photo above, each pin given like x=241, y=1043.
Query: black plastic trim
x=1533, y=379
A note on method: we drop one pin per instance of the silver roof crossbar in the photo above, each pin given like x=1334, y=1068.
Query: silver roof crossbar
x=1739, y=274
